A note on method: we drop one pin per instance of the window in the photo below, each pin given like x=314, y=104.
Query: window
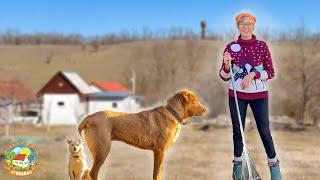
x=137, y=100
x=60, y=103
x=28, y=113
x=114, y=105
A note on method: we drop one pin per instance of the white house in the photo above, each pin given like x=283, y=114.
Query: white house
x=64, y=99
x=15, y=99
x=112, y=96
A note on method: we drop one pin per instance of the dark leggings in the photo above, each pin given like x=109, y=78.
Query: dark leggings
x=260, y=112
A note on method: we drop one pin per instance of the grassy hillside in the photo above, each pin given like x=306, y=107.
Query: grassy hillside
x=162, y=67
x=36, y=64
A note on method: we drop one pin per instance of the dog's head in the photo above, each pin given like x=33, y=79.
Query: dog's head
x=75, y=146
x=189, y=102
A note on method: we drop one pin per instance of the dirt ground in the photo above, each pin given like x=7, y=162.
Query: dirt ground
x=196, y=155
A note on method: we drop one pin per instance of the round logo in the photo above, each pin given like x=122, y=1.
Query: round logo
x=235, y=47
x=21, y=159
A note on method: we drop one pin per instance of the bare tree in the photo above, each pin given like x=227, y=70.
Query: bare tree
x=49, y=57
x=9, y=110
x=147, y=34
x=265, y=34
x=158, y=51
x=194, y=54
x=308, y=70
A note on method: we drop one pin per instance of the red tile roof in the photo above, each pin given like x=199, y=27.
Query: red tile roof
x=110, y=86
x=20, y=157
x=10, y=89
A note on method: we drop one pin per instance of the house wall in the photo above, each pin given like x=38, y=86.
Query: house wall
x=132, y=104
x=127, y=104
x=62, y=109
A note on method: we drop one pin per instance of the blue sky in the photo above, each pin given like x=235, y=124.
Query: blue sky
x=100, y=17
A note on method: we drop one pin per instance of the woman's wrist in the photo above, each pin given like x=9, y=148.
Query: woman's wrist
x=226, y=68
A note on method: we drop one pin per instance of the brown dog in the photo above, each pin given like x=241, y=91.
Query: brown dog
x=154, y=129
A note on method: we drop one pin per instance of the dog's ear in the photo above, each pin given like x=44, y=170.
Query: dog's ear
x=81, y=141
x=69, y=140
x=185, y=95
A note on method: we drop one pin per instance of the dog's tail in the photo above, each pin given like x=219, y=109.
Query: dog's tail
x=83, y=124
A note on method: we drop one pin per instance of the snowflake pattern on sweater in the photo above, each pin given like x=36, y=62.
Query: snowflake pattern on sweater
x=253, y=56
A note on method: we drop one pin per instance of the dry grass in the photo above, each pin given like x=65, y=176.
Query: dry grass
x=111, y=62
x=196, y=155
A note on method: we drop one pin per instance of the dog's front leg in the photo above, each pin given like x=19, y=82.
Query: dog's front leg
x=158, y=164
x=71, y=174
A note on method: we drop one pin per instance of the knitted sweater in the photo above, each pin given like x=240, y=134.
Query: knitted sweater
x=249, y=56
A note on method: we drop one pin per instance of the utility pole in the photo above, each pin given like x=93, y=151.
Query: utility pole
x=10, y=108
x=49, y=116
x=133, y=80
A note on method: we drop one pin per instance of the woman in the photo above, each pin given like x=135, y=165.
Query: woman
x=252, y=67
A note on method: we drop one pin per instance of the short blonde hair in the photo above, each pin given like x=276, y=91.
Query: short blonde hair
x=245, y=15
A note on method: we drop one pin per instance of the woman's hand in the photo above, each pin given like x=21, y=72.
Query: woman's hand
x=226, y=59
x=247, y=80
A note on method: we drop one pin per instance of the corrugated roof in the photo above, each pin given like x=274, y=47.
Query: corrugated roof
x=78, y=82
x=110, y=94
